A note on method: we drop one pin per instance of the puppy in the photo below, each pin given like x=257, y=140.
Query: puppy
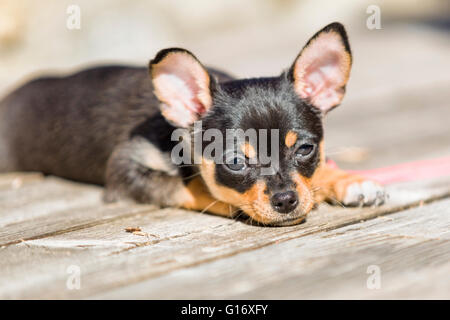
x=115, y=126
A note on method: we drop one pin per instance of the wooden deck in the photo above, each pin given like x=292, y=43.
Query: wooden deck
x=49, y=225
x=51, y=228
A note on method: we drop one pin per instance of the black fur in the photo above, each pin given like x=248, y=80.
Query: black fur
x=265, y=103
x=70, y=126
x=100, y=124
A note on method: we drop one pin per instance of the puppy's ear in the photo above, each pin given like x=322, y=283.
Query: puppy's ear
x=322, y=68
x=182, y=85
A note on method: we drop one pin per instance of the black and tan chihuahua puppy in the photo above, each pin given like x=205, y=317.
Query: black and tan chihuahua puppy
x=113, y=126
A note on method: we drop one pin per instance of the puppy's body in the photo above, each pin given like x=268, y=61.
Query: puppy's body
x=113, y=126
x=63, y=125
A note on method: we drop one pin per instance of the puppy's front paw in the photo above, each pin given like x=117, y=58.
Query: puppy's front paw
x=364, y=193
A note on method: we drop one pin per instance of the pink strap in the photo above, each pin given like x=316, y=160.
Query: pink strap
x=409, y=171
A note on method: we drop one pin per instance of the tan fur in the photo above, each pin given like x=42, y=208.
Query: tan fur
x=331, y=183
x=248, y=150
x=197, y=197
x=253, y=202
x=303, y=188
x=290, y=139
x=327, y=183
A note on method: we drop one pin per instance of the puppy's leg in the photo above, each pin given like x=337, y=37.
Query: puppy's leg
x=138, y=170
x=335, y=185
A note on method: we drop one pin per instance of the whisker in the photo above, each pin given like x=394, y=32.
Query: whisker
x=239, y=215
x=191, y=176
x=337, y=201
x=209, y=206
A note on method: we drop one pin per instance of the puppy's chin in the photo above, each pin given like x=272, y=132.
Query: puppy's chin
x=272, y=218
x=287, y=222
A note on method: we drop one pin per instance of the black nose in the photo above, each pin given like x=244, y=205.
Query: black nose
x=284, y=202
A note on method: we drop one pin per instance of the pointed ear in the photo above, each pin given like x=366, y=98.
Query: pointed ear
x=182, y=85
x=322, y=68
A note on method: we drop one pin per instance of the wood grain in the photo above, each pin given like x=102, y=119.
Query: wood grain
x=110, y=257
x=411, y=248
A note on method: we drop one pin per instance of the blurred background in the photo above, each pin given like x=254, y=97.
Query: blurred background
x=397, y=103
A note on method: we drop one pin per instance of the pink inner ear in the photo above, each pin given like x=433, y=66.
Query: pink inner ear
x=322, y=70
x=182, y=85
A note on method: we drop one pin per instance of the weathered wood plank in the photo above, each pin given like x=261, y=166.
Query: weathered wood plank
x=410, y=248
x=35, y=200
x=110, y=257
x=54, y=206
x=62, y=221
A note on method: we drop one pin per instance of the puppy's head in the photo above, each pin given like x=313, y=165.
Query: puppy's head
x=267, y=171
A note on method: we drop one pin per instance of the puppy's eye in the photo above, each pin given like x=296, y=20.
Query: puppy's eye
x=304, y=150
x=236, y=164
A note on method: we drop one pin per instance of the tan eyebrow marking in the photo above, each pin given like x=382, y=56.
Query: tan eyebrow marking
x=248, y=150
x=291, y=139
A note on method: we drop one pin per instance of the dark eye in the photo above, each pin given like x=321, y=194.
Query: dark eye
x=304, y=150
x=236, y=164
